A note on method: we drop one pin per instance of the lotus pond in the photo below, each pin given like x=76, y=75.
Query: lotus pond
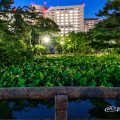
x=62, y=71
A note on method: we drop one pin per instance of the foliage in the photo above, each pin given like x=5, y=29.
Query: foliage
x=5, y=4
x=19, y=32
x=56, y=45
x=76, y=43
x=63, y=71
x=106, y=35
x=40, y=49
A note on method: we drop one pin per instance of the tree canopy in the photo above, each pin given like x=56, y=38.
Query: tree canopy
x=20, y=29
x=5, y=5
x=106, y=34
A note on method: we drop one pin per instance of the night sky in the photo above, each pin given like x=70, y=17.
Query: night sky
x=91, y=6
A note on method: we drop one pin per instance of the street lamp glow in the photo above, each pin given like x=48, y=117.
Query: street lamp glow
x=46, y=39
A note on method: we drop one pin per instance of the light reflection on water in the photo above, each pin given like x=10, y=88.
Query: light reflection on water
x=44, y=110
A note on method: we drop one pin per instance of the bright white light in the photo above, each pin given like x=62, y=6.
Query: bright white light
x=46, y=39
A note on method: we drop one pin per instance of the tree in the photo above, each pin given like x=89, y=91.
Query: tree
x=106, y=34
x=5, y=5
x=57, y=44
x=20, y=29
x=76, y=43
x=36, y=25
x=45, y=26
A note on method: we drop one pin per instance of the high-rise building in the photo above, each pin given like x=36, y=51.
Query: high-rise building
x=68, y=18
x=90, y=23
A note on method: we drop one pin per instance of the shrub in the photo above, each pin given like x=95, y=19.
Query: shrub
x=63, y=71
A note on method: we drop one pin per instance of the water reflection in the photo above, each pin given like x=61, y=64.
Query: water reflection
x=99, y=105
x=27, y=109
x=44, y=110
x=92, y=109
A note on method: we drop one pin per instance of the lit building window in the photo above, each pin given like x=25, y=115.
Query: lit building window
x=76, y=14
x=71, y=23
x=75, y=25
x=66, y=23
x=66, y=14
x=71, y=17
x=75, y=28
x=66, y=28
x=76, y=22
x=76, y=11
x=71, y=11
x=71, y=14
x=58, y=17
x=71, y=20
x=62, y=14
x=57, y=12
x=76, y=17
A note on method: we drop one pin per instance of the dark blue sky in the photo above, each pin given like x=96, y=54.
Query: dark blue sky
x=91, y=6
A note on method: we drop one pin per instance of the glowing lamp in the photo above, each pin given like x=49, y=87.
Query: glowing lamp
x=46, y=39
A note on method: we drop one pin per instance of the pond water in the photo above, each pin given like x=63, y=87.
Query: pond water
x=44, y=110
x=92, y=109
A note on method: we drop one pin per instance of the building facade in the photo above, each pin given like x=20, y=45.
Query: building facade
x=90, y=23
x=68, y=18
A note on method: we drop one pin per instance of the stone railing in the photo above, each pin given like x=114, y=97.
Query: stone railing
x=60, y=94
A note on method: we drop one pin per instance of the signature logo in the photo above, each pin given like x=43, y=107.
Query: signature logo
x=112, y=109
